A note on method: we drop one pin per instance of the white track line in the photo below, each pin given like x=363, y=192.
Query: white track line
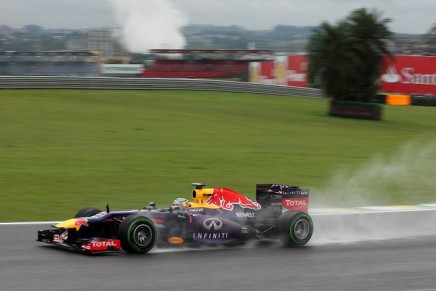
x=368, y=212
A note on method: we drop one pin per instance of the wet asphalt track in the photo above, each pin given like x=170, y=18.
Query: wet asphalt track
x=406, y=264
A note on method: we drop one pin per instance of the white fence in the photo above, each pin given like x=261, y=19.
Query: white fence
x=49, y=82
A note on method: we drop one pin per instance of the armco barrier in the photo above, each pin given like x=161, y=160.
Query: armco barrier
x=49, y=82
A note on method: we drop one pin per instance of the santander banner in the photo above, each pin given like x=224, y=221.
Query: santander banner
x=409, y=75
x=404, y=74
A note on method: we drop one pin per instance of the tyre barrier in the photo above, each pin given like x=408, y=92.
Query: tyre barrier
x=54, y=82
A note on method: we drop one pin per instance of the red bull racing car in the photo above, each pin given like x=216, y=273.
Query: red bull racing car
x=217, y=216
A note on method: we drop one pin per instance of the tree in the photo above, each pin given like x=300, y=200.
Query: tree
x=430, y=40
x=346, y=58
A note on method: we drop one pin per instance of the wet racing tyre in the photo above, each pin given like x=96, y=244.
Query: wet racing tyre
x=295, y=228
x=137, y=234
x=86, y=212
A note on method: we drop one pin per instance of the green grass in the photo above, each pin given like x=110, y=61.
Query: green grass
x=61, y=150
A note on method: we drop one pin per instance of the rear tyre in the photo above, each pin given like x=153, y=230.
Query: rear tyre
x=295, y=228
x=137, y=234
x=87, y=212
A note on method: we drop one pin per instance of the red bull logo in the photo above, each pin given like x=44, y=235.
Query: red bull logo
x=226, y=199
x=79, y=223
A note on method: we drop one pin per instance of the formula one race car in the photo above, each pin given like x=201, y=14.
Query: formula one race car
x=217, y=216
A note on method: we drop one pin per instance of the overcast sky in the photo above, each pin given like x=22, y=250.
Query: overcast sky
x=408, y=16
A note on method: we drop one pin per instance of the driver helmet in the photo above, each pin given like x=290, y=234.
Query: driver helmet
x=181, y=203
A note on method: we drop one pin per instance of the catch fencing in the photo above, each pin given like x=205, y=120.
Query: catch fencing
x=52, y=82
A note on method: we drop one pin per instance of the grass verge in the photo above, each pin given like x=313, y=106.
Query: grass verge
x=61, y=150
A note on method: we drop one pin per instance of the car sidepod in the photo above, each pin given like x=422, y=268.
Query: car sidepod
x=216, y=230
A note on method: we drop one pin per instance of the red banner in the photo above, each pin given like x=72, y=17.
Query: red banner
x=409, y=75
x=297, y=71
x=403, y=75
x=285, y=70
x=262, y=72
x=291, y=70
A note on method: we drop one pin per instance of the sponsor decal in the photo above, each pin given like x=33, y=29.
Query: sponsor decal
x=287, y=190
x=212, y=224
x=211, y=230
x=175, y=240
x=98, y=244
x=196, y=209
x=64, y=235
x=60, y=238
x=211, y=236
x=408, y=76
x=296, y=192
x=245, y=214
x=226, y=199
x=296, y=203
x=391, y=75
x=104, y=245
x=56, y=238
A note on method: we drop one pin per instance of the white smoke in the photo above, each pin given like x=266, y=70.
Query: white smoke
x=150, y=24
x=408, y=174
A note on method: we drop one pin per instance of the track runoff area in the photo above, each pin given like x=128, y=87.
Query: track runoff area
x=353, y=225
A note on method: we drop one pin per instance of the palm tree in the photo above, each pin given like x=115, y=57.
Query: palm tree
x=334, y=59
x=346, y=58
x=430, y=40
x=370, y=32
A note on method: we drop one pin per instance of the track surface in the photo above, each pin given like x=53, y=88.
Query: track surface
x=407, y=264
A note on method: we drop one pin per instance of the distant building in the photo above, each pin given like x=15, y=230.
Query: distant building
x=210, y=64
x=6, y=30
x=103, y=43
x=49, y=63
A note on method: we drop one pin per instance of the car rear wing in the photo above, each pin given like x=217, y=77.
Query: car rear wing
x=282, y=197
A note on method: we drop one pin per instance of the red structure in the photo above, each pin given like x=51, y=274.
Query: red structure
x=410, y=75
x=404, y=74
x=284, y=70
x=217, y=64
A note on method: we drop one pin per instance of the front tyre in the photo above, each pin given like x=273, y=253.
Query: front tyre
x=137, y=234
x=295, y=228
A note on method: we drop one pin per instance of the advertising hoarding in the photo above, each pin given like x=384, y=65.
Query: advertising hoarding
x=409, y=75
x=401, y=75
